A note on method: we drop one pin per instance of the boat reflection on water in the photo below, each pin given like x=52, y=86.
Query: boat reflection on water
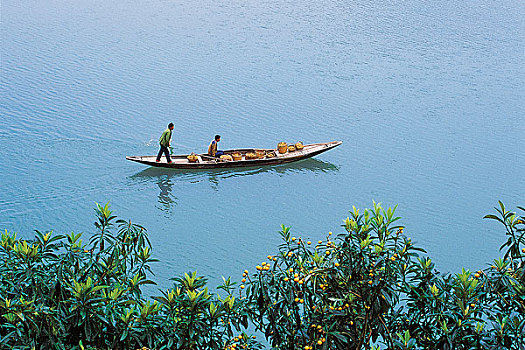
x=307, y=165
x=166, y=178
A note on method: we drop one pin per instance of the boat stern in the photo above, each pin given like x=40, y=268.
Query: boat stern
x=133, y=158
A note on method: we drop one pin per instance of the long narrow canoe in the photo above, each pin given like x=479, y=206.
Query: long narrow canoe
x=271, y=157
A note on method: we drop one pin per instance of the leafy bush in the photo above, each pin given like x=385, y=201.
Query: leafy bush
x=57, y=292
x=368, y=287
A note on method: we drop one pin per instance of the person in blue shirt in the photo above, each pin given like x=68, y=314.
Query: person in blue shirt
x=165, y=142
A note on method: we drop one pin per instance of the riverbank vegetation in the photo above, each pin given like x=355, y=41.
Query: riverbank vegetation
x=367, y=287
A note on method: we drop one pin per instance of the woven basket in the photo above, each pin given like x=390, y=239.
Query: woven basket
x=260, y=153
x=282, y=147
x=237, y=156
x=291, y=148
x=226, y=157
x=299, y=146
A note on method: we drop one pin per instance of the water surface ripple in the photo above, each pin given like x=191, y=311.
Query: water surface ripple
x=427, y=97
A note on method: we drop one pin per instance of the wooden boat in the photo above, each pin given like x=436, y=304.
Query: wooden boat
x=204, y=161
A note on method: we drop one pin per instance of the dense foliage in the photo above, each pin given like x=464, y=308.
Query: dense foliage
x=368, y=287
x=57, y=292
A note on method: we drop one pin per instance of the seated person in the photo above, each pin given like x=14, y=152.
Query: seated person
x=212, y=148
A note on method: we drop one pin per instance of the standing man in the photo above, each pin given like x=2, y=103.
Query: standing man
x=165, y=142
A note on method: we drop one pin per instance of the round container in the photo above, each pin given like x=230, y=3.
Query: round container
x=226, y=157
x=282, y=147
x=291, y=148
x=260, y=153
x=299, y=146
x=237, y=156
x=270, y=155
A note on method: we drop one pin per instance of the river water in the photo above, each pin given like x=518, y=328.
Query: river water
x=427, y=97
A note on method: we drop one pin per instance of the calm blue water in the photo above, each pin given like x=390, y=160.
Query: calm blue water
x=427, y=96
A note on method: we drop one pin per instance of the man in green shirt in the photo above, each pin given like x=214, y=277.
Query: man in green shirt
x=165, y=142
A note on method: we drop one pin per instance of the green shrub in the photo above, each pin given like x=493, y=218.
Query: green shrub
x=57, y=292
x=368, y=287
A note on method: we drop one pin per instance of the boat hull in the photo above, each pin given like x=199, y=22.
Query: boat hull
x=206, y=162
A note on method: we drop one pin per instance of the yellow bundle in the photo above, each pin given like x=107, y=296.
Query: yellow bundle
x=226, y=157
x=251, y=155
x=192, y=158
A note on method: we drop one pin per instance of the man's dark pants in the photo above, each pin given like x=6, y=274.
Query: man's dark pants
x=166, y=151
